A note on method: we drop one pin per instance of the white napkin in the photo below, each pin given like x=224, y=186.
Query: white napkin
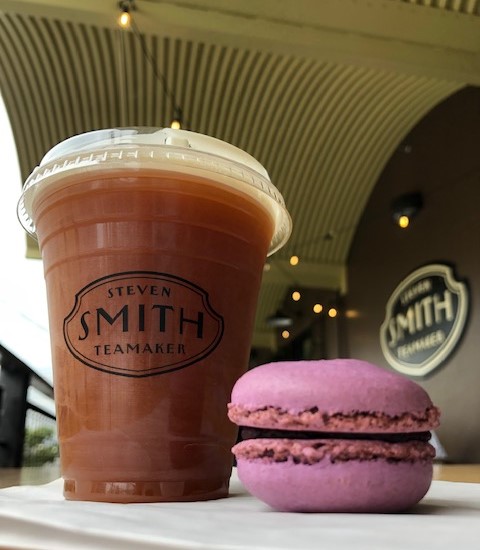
x=37, y=517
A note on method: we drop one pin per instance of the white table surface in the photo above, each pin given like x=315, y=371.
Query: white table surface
x=37, y=517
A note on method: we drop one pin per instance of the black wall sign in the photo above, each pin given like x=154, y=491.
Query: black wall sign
x=425, y=319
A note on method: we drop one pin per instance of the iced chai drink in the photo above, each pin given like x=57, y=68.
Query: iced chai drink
x=153, y=243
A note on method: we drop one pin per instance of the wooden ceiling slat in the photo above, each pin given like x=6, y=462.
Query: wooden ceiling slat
x=60, y=88
x=258, y=64
x=299, y=82
x=298, y=169
x=152, y=84
x=165, y=70
x=213, y=57
x=216, y=74
x=249, y=114
x=188, y=50
x=313, y=184
x=223, y=92
x=76, y=53
x=235, y=106
x=92, y=85
x=239, y=74
x=149, y=95
x=60, y=36
x=365, y=88
x=22, y=95
x=191, y=98
x=132, y=49
x=303, y=121
x=106, y=59
x=266, y=112
x=378, y=127
x=34, y=45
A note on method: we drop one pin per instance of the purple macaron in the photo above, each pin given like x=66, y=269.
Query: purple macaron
x=333, y=436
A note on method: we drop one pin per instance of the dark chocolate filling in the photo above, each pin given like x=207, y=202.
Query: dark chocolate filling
x=247, y=432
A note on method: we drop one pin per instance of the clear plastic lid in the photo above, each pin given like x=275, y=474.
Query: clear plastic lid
x=158, y=149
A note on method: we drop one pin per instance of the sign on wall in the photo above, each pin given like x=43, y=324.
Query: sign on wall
x=425, y=319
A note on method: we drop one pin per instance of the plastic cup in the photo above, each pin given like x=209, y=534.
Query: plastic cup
x=153, y=243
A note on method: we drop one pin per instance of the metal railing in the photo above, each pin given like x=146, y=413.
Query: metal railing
x=27, y=432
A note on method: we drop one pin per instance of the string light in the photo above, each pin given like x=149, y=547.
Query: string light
x=332, y=312
x=177, y=119
x=127, y=6
x=296, y=296
x=285, y=334
x=317, y=308
x=406, y=207
x=294, y=260
x=125, y=18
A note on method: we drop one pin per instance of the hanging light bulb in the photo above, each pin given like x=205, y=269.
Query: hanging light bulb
x=285, y=334
x=177, y=119
x=296, y=296
x=317, y=308
x=406, y=207
x=294, y=260
x=332, y=312
x=403, y=221
x=125, y=18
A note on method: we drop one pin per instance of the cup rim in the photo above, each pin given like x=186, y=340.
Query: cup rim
x=161, y=149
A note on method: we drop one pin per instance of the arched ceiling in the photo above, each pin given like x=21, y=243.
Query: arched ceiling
x=320, y=92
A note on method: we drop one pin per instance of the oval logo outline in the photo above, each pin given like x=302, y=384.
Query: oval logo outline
x=440, y=355
x=158, y=276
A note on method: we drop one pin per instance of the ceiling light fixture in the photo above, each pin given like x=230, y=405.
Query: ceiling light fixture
x=279, y=320
x=125, y=18
x=406, y=207
x=294, y=260
x=177, y=119
x=329, y=235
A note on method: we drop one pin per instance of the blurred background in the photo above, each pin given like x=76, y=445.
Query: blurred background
x=365, y=113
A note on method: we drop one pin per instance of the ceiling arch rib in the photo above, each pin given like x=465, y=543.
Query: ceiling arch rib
x=335, y=141
x=37, y=83
x=381, y=99
x=268, y=107
x=254, y=64
x=19, y=93
x=309, y=144
x=280, y=137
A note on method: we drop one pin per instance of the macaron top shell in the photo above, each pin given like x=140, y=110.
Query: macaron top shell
x=330, y=387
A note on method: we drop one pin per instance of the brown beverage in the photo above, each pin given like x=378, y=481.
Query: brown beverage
x=152, y=271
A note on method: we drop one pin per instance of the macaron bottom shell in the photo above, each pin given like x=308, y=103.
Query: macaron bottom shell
x=373, y=486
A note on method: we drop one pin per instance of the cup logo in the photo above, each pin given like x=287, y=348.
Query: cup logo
x=142, y=323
